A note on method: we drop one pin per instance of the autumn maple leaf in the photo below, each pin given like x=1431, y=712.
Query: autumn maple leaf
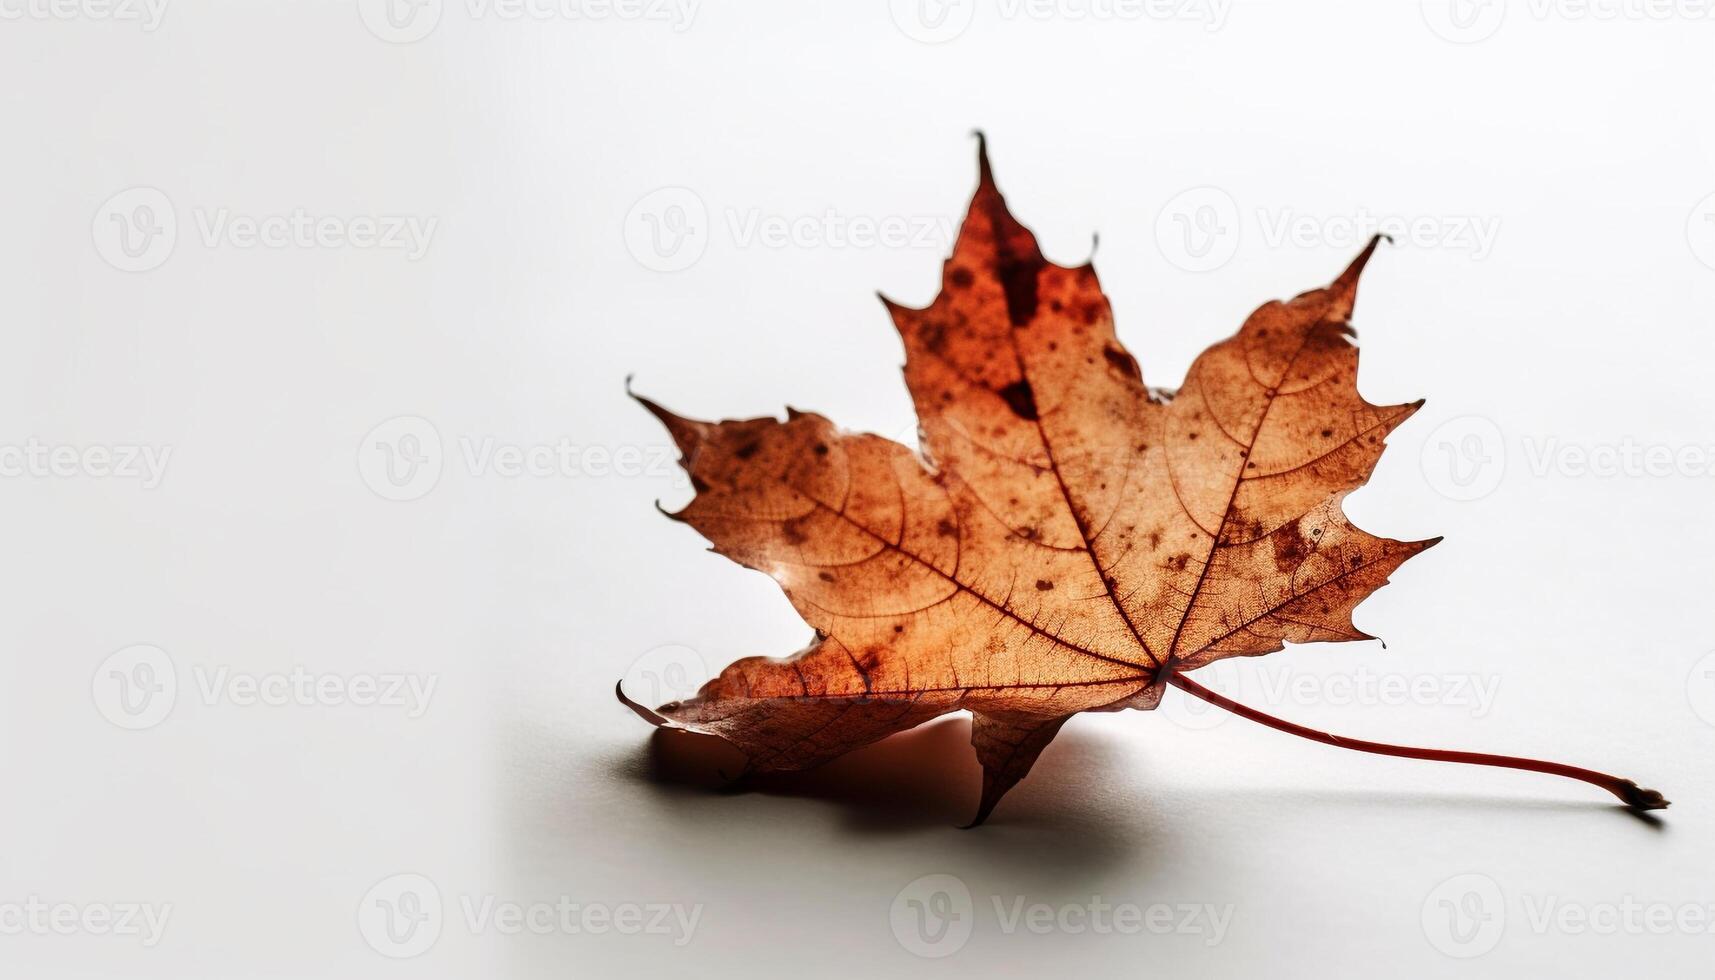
x=1069, y=540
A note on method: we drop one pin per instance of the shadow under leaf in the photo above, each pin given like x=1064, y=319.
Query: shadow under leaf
x=926, y=781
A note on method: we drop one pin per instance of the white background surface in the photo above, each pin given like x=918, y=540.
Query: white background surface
x=1578, y=601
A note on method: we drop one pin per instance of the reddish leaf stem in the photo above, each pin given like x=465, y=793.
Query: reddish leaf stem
x=1628, y=792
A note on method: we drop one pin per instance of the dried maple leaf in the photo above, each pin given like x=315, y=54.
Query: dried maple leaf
x=1070, y=540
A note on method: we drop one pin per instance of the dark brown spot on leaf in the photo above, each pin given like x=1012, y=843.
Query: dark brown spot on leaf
x=1291, y=547
x=1123, y=362
x=1020, y=399
x=1018, y=280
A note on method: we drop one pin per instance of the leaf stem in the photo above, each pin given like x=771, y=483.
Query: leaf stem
x=1628, y=792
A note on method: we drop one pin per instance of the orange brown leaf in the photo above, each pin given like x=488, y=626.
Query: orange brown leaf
x=1069, y=538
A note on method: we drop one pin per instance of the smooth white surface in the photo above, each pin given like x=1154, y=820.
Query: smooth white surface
x=1578, y=602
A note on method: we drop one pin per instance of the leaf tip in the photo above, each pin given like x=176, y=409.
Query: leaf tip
x=642, y=712
x=1347, y=284
x=995, y=786
x=1639, y=798
x=894, y=307
x=687, y=433
x=984, y=174
x=983, y=811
